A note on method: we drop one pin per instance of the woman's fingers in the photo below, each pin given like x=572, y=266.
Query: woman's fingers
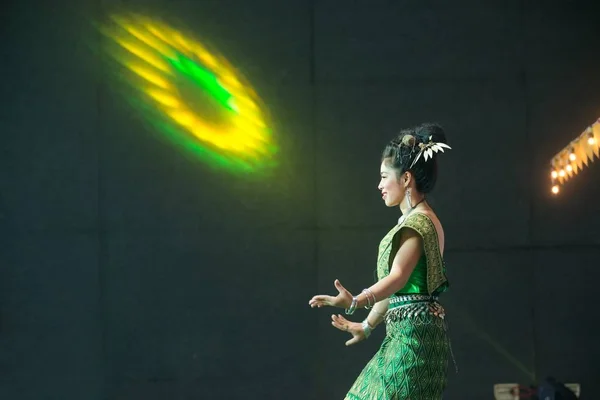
x=338, y=317
x=338, y=326
x=338, y=285
x=343, y=324
x=354, y=340
x=340, y=300
x=339, y=323
x=319, y=301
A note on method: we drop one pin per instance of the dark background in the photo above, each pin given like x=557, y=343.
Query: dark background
x=131, y=271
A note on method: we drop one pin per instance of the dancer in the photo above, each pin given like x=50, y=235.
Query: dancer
x=411, y=363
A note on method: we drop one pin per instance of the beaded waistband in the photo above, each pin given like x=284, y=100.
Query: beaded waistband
x=410, y=298
x=412, y=305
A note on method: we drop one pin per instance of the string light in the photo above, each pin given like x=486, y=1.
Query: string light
x=578, y=154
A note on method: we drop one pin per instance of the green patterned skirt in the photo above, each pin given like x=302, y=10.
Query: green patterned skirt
x=411, y=363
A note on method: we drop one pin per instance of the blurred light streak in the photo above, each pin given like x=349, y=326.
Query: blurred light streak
x=193, y=96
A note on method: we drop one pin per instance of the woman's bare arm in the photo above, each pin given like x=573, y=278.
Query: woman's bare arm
x=403, y=265
x=377, y=313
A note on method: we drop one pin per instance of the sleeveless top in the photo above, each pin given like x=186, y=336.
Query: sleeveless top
x=429, y=275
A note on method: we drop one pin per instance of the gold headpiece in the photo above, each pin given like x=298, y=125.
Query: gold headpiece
x=428, y=149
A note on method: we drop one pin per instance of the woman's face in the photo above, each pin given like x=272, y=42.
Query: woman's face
x=391, y=190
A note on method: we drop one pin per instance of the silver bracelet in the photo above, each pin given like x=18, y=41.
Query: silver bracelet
x=367, y=329
x=368, y=293
x=350, y=311
x=368, y=305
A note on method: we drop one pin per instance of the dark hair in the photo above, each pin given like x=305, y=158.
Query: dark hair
x=402, y=151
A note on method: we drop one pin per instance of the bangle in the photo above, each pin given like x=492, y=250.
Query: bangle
x=367, y=329
x=352, y=308
x=368, y=305
x=368, y=295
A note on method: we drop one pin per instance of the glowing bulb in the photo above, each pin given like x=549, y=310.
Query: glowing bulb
x=569, y=168
x=555, y=189
x=572, y=156
x=554, y=174
x=561, y=173
x=591, y=140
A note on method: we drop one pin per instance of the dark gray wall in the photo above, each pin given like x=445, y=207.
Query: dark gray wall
x=129, y=271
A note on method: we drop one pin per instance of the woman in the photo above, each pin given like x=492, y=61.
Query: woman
x=412, y=360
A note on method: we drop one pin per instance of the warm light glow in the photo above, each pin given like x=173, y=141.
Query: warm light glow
x=577, y=155
x=591, y=140
x=555, y=189
x=191, y=94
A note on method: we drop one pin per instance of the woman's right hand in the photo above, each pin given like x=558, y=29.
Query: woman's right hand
x=353, y=328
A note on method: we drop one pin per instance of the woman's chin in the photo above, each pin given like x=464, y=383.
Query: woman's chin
x=391, y=203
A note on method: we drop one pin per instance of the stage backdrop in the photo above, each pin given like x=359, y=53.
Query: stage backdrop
x=132, y=269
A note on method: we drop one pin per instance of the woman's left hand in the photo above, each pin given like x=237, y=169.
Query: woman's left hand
x=342, y=300
x=353, y=328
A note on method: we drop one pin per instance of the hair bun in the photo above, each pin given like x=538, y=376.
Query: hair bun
x=431, y=130
x=409, y=140
x=415, y=150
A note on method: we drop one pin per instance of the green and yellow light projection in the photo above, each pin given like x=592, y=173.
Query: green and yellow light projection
x=191, y=94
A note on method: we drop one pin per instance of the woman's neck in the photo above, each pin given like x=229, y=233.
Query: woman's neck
x=416, y=200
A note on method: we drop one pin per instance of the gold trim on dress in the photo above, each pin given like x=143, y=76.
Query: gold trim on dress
x=422, y=224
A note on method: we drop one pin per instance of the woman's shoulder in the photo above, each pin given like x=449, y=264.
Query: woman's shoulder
x=424, y=222
x=422, y=218
x=428, y=225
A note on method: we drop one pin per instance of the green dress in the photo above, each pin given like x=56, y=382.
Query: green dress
x=412, y=361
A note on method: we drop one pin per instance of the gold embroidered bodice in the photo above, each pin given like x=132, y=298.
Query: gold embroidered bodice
x=429, y=275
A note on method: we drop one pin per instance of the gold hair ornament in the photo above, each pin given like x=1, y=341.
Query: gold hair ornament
x=427, y=150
